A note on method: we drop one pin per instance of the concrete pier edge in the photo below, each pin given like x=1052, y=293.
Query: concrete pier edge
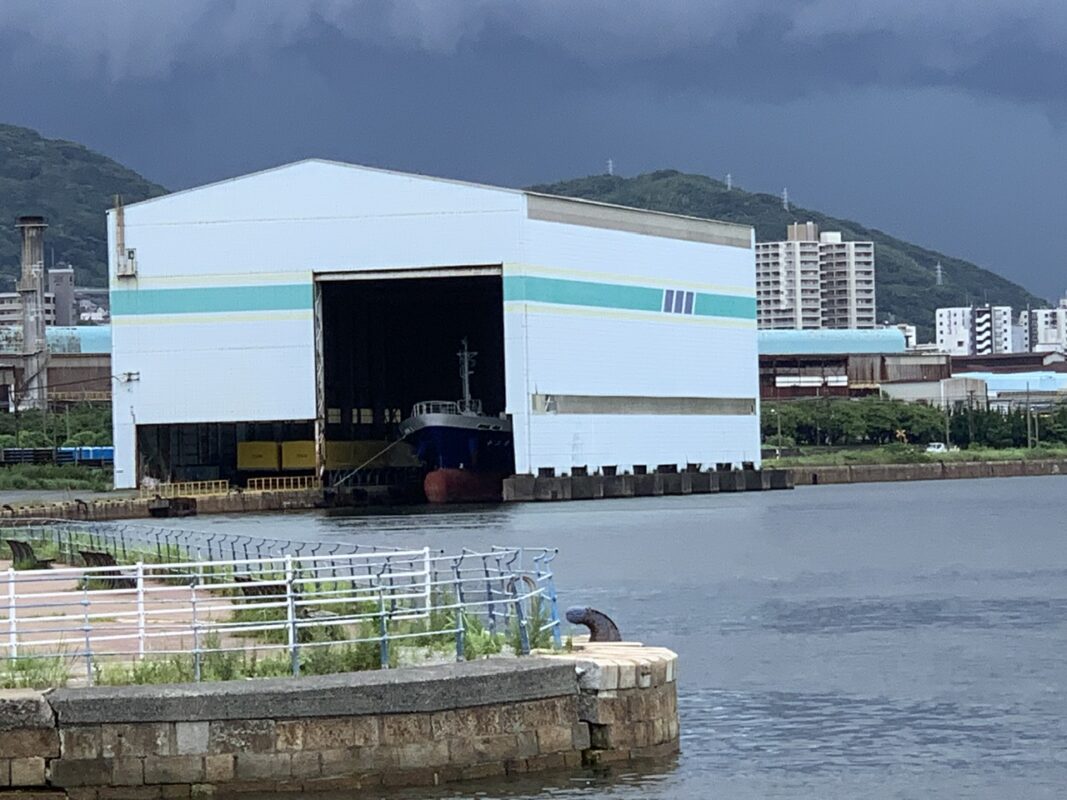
x=418, y=726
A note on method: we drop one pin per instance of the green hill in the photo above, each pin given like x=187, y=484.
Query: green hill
x=73, y=186
x=904, y=272
x=70, y=185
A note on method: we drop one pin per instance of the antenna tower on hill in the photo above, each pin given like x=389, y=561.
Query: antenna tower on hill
x=939, y=273
x=785, y=199
x=611, y=167
x=729, y=181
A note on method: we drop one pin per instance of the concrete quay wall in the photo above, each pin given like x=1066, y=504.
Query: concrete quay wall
x=941, y=470
x=531, y=488
x=339, y=733
x=137, y=508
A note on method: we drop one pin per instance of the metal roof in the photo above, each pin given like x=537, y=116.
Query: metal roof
x=1037, y=381
x=734, y=233
x=819, y=342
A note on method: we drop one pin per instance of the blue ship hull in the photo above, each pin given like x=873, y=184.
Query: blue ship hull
x=449, y=447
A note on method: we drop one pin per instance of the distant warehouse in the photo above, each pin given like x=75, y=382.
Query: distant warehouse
x=289, y=320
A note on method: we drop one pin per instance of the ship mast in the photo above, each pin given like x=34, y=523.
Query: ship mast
x=466, y=369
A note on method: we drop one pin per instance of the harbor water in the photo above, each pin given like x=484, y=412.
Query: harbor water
x=904, y=640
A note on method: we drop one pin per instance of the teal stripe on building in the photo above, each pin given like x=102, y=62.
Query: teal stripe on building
x=724, y=305
x=212, y=299
x=299, y=296
x=582, y=293
x=612, y=295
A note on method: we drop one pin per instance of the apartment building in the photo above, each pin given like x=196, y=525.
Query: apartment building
x=975, y=330
x=1047, y=328
x=11, y=308
x=847, y=271
x=814, y=280
x=788, y=284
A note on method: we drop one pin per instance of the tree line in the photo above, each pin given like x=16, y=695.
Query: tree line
x=873, y=420
x=77, y=426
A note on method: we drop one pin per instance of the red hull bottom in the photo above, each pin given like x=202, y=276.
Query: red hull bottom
x=463, y=486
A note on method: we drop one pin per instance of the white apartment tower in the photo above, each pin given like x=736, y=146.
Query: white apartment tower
x=975, y=330
x=814, y=281
x=788, y=282
x=1047, y=328
x=847, y=270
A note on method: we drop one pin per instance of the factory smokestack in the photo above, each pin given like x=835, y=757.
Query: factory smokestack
x=34, y=389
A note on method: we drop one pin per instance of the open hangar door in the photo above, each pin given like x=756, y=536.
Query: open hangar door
x=389, y=340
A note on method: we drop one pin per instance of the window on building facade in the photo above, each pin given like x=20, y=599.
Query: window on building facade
x=678, y=302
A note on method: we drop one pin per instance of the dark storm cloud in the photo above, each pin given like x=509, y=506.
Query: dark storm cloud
x=938, y=120
x=1005, y=48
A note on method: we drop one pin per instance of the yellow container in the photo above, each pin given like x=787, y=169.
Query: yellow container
x=298, y=455
x=257, y=456
x=340, y=455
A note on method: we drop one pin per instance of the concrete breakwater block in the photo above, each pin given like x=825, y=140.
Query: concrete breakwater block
x=733, y=481
x=779, y=478
x=618, y=485
x=527, y=488
x=648, y=485
x=519, y=488
x=586, y=487
x=552, y=488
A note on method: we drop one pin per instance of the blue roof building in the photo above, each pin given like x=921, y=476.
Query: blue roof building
x=827, y=341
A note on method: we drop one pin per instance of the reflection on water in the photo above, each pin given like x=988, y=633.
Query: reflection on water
x=897, y=640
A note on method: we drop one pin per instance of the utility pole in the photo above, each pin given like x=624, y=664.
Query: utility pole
x=944, y=407
x=970, y=417
x=1029, y=440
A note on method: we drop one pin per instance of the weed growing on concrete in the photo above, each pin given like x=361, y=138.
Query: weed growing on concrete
x=537, y=629
x=478, y=641
x=33, y=672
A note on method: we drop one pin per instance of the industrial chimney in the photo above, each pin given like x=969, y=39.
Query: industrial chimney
x=34, y=390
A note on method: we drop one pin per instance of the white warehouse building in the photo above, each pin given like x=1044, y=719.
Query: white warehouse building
x=313, y=304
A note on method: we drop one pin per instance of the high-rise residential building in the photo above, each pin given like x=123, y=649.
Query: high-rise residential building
x=788, y=283
x=1020, y=334
x=814, y=280
x=975, y=330
x=1047, y=328
x=847, y=270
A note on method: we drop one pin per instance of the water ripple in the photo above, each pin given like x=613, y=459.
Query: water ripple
x=852, y=615
x=819, y=732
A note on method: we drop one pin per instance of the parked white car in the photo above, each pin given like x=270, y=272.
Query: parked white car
x=936, y=447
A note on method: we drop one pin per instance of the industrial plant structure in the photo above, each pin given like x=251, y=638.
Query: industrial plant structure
x=307, y=308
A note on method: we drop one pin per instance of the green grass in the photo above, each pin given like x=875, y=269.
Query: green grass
x=324, y=649
x=33, y=673
x=54, y=477
x=908, y=454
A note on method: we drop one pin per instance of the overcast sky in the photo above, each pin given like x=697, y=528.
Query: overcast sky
x=942, y=121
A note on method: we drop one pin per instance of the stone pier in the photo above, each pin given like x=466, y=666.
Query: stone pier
x=407, y=727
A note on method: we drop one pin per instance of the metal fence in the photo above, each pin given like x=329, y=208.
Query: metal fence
x=133, y=541
x=286, y=607
x=186, y=489
x=284, y=483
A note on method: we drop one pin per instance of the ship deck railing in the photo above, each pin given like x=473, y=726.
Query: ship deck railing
x=447, y=407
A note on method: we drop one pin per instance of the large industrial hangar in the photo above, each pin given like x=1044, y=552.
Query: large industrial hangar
x=295, y=315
